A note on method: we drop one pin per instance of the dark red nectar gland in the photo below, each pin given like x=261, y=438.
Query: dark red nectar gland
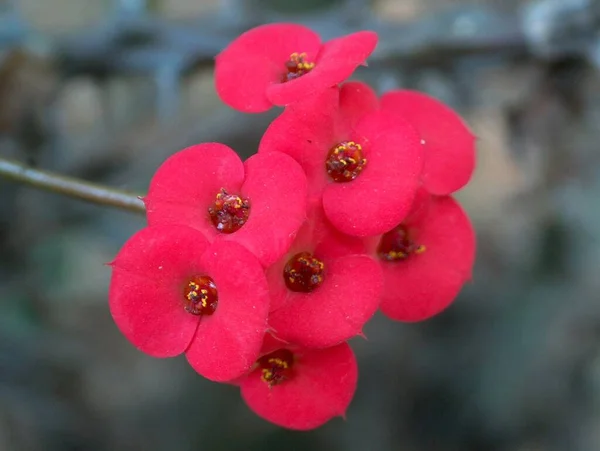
x=345, y=161
x=229, y=212
x=296, y=67
x=303, y=273
x=276, y=367
x=201, y=296
x=397, y=245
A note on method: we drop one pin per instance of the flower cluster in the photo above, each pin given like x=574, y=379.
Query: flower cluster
x=260, y=271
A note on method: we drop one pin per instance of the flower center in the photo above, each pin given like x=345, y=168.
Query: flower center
x=229, y=212
x=345, y=161
x=276, y=367
x=303, y=272
x=200, y=296
x=398, y=244
x=296, y=66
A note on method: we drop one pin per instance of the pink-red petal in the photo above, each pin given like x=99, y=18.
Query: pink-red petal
x=337, y=310
x=146, y=295
x=306, y=131
x=382, y=194
x=228, y=342
x=425, y=284
x=256, y=60
x=322, y=388
x=449, y=144
x=187, y=183
x=276, y=187
x=270, y=344
x=337, y=60
x=356, y=100
x=316, y=236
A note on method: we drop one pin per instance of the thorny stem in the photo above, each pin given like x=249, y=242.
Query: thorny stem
x=70, y=186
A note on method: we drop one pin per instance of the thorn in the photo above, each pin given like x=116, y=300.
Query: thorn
x=362, y=335
x=111, y=263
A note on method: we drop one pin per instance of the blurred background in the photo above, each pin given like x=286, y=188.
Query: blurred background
x=105, y=90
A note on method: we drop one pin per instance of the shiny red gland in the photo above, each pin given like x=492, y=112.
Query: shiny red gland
x=303, y=272
x=345, y=161
x=200, y=296
x=229, y=212
x=276, y=367
x=297, y=66
x=398, y=244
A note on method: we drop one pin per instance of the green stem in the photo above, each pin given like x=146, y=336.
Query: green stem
x=69, y=186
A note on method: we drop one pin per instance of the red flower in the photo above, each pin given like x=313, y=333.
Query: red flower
x=448, y=143
x=299, y=388
x=279, y=64
x=325, y=289
x=366, y=166
x=260, y=203
x=356, y=100
x=173, y=292
x=427, y=259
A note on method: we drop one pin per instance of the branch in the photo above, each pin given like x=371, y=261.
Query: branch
x=69, y=186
